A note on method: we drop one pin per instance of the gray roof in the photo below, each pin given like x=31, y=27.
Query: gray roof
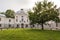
x=21, y=12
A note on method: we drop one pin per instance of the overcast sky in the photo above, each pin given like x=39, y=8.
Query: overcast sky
x=18, y=4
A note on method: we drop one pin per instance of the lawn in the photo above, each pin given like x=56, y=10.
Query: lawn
x=29, y=34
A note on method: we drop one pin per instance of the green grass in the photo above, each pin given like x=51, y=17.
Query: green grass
x=29, y=34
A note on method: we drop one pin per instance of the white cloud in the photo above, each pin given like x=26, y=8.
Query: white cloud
x=18, y=4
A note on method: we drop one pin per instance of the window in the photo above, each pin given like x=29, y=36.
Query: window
x=27, y=20
x=22, y=25
x=9, y=20
x=9, y=25
x=0, y=25
x=33, y=25
x=26, y=25
x=17, y=26
x=21, y=16
x=49, y=25
x=0, y=19
x=16, y=20
x=22, y=19
x=56, y=24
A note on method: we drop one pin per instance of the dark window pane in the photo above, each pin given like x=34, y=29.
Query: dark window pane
x=16, y=20
x=22, y=19
x=0, y=25
x=21, y=16
x=0, y=19
x=9, y=25
x=26, y=25
x=27, y=20
x=17, y=26
x=9, y=20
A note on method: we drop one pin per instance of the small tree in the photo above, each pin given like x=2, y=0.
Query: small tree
x=9, y=13
x=43, y=12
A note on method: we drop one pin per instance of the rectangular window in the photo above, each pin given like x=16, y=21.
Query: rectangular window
x=9, y=20
x=27, y=20
x=0, y=25
x=9, y=25
x=0, y=19
x=16, y=20
x=22, y=19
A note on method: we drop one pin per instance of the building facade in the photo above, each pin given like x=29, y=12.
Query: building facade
x=21, y=20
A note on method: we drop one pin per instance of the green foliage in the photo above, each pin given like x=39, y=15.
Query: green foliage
x=43, y=12
x=9, y=13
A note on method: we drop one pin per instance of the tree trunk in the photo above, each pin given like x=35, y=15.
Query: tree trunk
x=42, y=26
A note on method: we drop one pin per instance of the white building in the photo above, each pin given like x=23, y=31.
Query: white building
x=21, y=20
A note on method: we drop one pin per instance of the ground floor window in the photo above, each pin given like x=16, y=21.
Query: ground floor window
x=49, y=25
x=9, y=25
x=26, y=25
x=0, y=25
x=17, y=26
x=33, y=25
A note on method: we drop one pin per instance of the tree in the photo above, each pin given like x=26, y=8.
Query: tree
x=43, y=12
x=2, y=13
x=9, y=13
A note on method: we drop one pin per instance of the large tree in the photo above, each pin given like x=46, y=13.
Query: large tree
x=9, y=13
x=43, y=12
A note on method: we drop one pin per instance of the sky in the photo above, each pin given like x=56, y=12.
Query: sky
x=18, y=4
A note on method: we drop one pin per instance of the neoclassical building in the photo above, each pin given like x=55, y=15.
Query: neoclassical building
x=21, y=20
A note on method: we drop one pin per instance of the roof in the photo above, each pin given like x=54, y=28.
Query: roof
x=21, y=12
x=2, y=15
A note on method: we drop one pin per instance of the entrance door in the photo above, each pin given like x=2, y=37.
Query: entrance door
x=22, y=25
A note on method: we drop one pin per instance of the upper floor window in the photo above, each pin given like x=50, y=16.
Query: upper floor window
x=27, y=20
x=9, y=20
x=21, y=16
x=22, y=19
x=0, y=19
x=16, y=20
x=16, y=16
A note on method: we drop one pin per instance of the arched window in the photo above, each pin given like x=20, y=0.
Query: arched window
x=9, y=20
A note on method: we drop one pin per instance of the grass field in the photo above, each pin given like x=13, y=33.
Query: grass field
x=29, y=34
